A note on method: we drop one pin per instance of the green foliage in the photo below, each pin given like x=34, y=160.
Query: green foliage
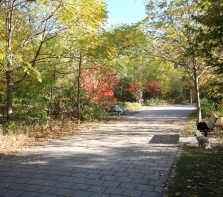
x=24, y=125
x=120, y=91
x=209, y=40
x=154, y=101
x=92, y=112
x=30, y=112
x=178, y=96
x=208, y=107
x=213, y=91
x=9, y=126
x=127, y=40
x=131, y=106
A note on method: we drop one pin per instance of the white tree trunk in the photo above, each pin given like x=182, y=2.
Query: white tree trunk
x=198, y=101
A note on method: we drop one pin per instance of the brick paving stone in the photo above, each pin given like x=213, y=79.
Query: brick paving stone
x=80, y=175
x=18, y=180
x=8, y=179
x=136, y=175
x=80, y=180
x=12, y=193
x=80, y=186
x=130, y=192
x=145, y=187
x=95, y=182
x=32, y=188
x=62, y=191
x=2, y=191
x=81, y=193
x=30, y=194
x=100, y=195
x=112, y=190
x=112, y=184
x=118, y=169
x=150, y=194
x=52, y=177
x=108, y=178
x=49, y=183
x=155, y=182
x=94, y=176
x=24, y=175
x=143, y=167
x=108, y=172
x=38, y=176
x=127, y=186
x=122, y=174
x=16, y=186
x=124, y=179
x=140, y=181
x=93, y=171
x=65, y=184
x=114, y=195
x=66, y=173
x=97, y=189
x=35, y=181
x=48, y=189
x=132, y=170
x=147, y=172
x=48, y=195
x=65, y=178
x=80, y=170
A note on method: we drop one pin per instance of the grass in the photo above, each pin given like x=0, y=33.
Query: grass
x=199, y=173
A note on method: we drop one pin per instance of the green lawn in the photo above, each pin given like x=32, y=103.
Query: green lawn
x=199, y=173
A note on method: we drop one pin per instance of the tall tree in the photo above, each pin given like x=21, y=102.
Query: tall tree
x=169, y=25
x=26, y=26
x=84, y=47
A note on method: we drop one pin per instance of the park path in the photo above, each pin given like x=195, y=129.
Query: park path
x=131, y=157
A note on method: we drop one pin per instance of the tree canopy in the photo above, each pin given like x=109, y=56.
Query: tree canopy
x=209, y=41
x=62, y=52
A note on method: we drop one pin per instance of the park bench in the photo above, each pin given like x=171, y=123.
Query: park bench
x=211, y=124
x=117, y=108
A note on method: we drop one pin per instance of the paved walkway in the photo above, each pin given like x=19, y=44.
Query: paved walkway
x=128, y=158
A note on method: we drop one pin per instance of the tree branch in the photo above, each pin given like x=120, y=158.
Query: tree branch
x=204, y=70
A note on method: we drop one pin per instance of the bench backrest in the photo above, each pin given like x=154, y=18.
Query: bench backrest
x=212, y=121
x=119, y=108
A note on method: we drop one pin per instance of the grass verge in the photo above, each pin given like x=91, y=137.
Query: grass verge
x=199, y=173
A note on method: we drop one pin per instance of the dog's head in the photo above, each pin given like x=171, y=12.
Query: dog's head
x=197, y=133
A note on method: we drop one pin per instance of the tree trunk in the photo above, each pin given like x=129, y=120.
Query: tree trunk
x=198, y=102
x=9, y=95
x=51, y=95
x=197, y=91
x=9, y=29
x=78, y=91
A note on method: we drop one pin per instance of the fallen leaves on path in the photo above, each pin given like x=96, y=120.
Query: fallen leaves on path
x=17, y=141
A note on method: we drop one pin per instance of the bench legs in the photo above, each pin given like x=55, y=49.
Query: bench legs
x=119, y=112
